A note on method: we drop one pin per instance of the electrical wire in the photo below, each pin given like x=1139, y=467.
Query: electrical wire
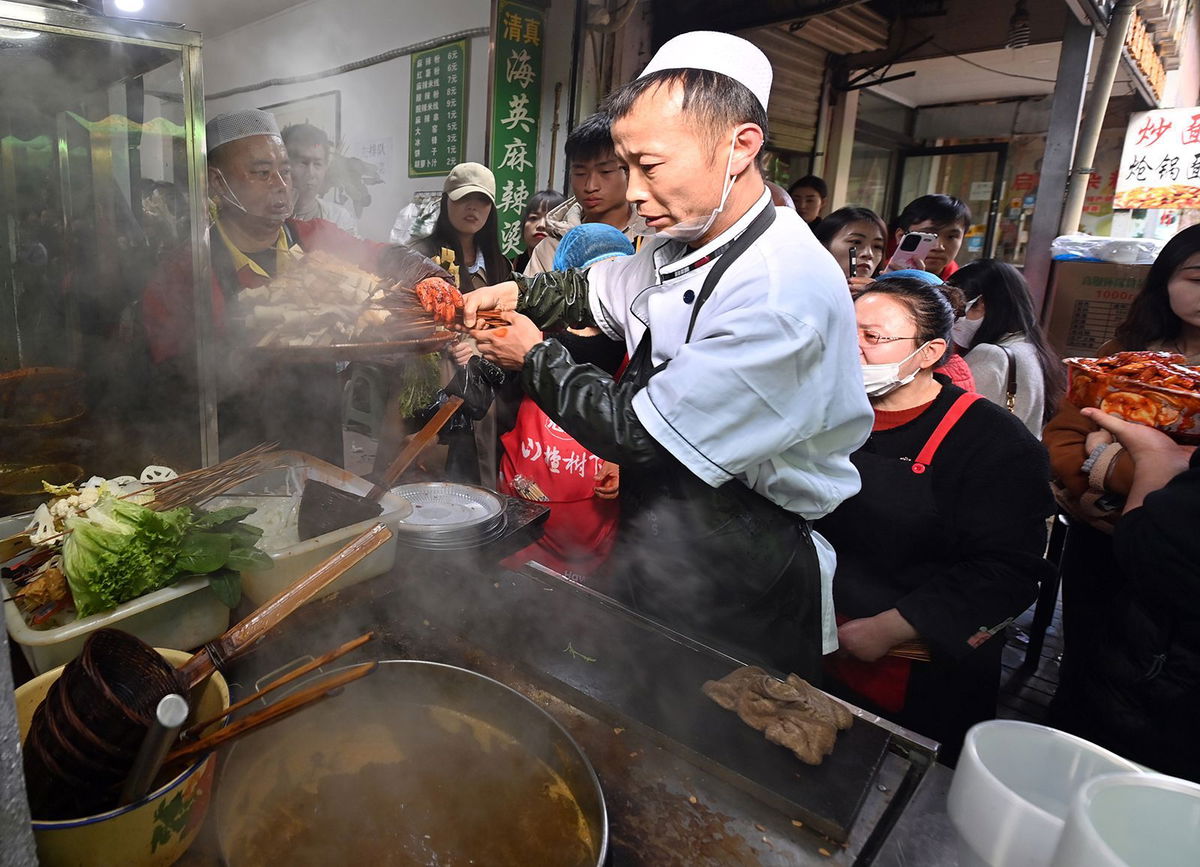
x=989, y=69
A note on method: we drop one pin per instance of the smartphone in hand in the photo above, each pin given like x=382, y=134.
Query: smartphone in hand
x=913, y=248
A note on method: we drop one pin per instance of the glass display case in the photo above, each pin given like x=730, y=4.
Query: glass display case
x=102, y=189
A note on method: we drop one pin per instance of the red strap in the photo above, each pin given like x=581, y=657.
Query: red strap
x=925, y=457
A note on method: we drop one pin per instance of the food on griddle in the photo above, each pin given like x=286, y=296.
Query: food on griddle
x=320, y=300
x=791, y=713
x=1156, y=389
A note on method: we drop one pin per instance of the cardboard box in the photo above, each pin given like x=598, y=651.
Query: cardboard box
x=1088, y=301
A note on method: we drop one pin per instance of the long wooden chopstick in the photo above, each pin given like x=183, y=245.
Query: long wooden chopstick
x=917, y=651
x=272, y=713
x=193, y=731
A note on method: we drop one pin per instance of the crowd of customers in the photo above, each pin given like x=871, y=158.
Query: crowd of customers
x=972, y=450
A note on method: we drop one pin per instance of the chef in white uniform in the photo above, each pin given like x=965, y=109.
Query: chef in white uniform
x=735, y=420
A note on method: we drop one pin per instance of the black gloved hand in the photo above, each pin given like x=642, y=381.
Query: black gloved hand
x=476, y=383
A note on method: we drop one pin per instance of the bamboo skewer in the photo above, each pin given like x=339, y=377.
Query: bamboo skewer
x=194, y=730
x=274, y=713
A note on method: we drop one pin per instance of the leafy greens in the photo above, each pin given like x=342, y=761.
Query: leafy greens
x=119, y=550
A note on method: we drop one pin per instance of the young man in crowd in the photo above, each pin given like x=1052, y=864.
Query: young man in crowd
x=945, y=216
x=308, y=150
x=809, y=193
x=598, y=182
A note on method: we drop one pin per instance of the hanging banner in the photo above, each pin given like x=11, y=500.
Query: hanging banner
x=515, y=111
x=437, y=109
x=1160, y=163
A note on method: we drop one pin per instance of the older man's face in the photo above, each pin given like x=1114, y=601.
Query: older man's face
x=253, y=172
x=676, y=170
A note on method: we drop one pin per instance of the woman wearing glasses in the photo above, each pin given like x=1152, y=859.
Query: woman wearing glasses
x=943, y=545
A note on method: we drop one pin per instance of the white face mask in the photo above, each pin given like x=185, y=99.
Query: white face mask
x=881, y=379
x=690, y=230
x=963, y=330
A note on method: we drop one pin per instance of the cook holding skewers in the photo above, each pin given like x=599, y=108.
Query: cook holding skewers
x=743, y=398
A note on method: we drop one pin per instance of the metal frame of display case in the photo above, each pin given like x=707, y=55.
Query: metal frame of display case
x=18, y=849
x=86, y=25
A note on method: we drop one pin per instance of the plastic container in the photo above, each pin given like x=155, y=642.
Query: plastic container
x=186, y=614
x=1013, y=787
x=1132, y=820
x=293, y=558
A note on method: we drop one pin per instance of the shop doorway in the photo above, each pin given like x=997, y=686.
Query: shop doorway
x=973, y=173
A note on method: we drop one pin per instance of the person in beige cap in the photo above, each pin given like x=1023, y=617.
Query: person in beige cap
x=250, y=181
x=467, y=224
x=743, y=400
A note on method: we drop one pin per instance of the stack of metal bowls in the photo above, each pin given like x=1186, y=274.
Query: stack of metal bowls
x=448, y=516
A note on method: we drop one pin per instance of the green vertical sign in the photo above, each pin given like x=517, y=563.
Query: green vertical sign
x=437, y=117
x=516, y=108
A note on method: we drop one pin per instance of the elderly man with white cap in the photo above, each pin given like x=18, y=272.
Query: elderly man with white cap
x=249, y=177
x=735, y=420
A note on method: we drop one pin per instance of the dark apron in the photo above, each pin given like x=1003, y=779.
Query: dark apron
x=723, y=563
x=940, y=698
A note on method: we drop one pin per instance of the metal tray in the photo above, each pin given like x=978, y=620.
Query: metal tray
x=444, y=510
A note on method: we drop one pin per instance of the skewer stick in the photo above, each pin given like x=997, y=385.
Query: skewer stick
x=193, y=731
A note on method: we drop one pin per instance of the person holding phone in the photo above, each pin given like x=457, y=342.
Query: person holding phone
x=945, y=217
x=857, y=234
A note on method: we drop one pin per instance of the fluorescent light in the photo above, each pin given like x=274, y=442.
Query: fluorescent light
x=129, y=5
x=14, y=33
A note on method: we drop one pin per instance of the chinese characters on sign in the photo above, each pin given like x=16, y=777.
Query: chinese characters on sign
x=437, y=118
x=1160, y=163
x=516, y=109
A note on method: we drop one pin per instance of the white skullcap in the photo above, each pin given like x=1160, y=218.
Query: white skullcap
x=233, y=125
x=717, y=52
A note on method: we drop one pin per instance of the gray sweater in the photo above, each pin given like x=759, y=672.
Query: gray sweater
x=989, y=367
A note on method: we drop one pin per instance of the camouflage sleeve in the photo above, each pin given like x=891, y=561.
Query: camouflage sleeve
x=555, y=299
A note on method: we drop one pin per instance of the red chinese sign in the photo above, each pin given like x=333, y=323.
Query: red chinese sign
x=1160, y=164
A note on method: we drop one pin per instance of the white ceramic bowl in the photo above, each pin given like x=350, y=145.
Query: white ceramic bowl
x=1132, y=820
x=1013, y=787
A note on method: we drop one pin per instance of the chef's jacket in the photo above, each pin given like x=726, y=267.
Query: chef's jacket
x=769, y=388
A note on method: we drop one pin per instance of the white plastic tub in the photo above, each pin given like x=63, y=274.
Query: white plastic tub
x=1012, y=789
x=183, y=616
x=278, y=491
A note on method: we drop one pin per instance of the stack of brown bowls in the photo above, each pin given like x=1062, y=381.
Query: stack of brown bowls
x=83, y=738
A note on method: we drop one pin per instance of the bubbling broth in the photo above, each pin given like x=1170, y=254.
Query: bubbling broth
x=462, y=793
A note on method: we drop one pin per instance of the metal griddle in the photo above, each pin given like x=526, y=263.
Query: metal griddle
x=619, y=665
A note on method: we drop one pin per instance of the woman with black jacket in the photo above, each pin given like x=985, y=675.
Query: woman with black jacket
x=943, y=544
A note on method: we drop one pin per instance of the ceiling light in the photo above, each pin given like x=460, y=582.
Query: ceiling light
x=1018, y=27
x=14, y=33
x=129, y=5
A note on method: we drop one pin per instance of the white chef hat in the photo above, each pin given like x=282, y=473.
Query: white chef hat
x=233, y=125
x=717, y=52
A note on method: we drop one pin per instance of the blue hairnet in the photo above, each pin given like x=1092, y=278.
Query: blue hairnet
x=924, y=276
x=588, y=243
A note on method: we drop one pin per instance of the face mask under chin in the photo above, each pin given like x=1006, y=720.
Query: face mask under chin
x=690, y=230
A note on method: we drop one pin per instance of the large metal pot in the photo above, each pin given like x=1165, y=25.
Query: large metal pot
x=421, y=763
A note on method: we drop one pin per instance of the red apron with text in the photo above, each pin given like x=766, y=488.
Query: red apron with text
x=581, y=529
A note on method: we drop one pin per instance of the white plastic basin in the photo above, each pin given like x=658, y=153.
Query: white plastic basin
x=1013, y=788
x=1132, y=820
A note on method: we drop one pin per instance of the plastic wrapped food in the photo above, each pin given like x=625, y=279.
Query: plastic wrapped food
x=1157, y=389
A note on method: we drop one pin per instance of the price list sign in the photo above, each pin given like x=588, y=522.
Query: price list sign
x=437, y=118
x=516, y=109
